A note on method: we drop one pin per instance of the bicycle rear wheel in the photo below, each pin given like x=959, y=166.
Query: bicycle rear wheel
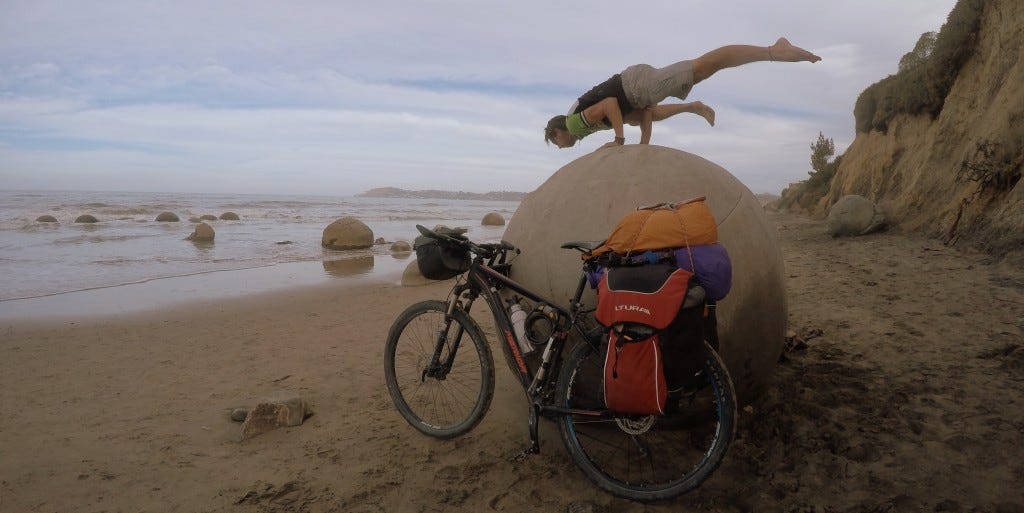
x=438, y=400
x=647, y=458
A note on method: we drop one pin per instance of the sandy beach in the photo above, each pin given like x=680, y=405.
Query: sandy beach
x=902, y=389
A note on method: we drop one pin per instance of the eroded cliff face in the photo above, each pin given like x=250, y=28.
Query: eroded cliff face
x=955, y=177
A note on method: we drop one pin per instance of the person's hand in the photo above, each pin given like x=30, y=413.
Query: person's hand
x=619, y=141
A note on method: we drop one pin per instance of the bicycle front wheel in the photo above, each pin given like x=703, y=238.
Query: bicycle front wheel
x=441, y=386
x=655, y=457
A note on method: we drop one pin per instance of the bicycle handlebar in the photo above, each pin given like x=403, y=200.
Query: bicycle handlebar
x=486, y=250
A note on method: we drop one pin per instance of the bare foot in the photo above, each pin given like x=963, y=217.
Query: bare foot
x=703, y=111
x=784, y=51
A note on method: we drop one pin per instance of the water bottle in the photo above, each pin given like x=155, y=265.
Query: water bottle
x=518, y=317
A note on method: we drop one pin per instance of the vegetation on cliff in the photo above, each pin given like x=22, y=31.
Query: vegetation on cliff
x=925, y=75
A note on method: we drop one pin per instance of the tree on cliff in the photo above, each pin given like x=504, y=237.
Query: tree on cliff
x=804, y=195
x=822, y=169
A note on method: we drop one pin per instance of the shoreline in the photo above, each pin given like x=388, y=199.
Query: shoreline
x=208, y=287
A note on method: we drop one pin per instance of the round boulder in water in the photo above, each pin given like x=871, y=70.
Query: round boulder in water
x=207, y=217
x=401, y=246
x=202, y=233
x=46, y=219
x=86, y=218
x=347, y=233
x=493, y=219
x=585, y=200
x=229, y=216
x=167, y=217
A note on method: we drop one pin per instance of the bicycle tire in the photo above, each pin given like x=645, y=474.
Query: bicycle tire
x=613, y=458
x=441, y=408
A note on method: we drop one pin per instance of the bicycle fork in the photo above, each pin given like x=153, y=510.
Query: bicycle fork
x=436, y=368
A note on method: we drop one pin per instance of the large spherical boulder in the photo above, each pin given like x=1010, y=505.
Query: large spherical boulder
x=202, y=233
x=229, y=216
x=854, y=215
x=347, y=233
x=86, y=218
x=585, y=199
x=493, y=219
x=167, y=217
x=46, y=218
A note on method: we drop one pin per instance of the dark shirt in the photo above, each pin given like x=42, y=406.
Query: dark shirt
x=611, y=87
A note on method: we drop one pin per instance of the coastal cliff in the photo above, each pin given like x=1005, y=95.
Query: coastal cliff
x=949, y=165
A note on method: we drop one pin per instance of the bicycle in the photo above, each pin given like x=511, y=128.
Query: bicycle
x=440, y=375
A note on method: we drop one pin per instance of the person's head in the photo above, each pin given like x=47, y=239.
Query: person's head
x=557, y=133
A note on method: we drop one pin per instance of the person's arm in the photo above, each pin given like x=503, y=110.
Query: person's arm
x=607, y=108
x=646, y=120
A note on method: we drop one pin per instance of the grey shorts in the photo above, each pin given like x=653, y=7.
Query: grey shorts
x=646, y=86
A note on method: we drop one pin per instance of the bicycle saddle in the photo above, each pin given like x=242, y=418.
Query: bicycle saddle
x=585, y=246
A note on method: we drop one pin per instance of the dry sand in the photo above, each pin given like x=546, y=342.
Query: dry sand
x=903, y=390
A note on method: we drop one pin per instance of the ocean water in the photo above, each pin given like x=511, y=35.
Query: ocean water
x=277, y=233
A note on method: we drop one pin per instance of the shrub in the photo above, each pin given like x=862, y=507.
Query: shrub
x=926, y=74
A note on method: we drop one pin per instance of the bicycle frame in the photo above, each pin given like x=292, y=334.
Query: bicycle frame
x=485, y=279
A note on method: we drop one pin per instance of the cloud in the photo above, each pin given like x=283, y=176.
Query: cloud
x=258, y=97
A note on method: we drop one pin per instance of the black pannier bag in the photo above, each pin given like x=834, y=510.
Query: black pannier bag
x=441, y=260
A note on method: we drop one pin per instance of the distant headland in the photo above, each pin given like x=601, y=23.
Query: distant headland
x=394, y=192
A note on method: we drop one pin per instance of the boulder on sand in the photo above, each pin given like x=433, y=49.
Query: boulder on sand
x=46, y=218
x=347, y=233
x=207, y=217
x=585, y=200
x=167, y=217
x=493, y=219
x=411, y=277
x=854, y=215
x=229, y=216
x=86, y=218
x=281, y=409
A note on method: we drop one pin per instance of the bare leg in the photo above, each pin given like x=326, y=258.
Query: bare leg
x=665, y=111
x=737, y=55
x=660, y=112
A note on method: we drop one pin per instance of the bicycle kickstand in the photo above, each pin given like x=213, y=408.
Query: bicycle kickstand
x=534, y=447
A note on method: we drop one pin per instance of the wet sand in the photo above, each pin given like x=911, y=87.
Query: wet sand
x=902, y=389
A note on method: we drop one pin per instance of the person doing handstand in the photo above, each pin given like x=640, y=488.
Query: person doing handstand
x=633, y=96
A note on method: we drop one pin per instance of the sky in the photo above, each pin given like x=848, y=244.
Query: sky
x=337, y=97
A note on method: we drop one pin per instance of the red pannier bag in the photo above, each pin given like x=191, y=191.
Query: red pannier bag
x=636, y=302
